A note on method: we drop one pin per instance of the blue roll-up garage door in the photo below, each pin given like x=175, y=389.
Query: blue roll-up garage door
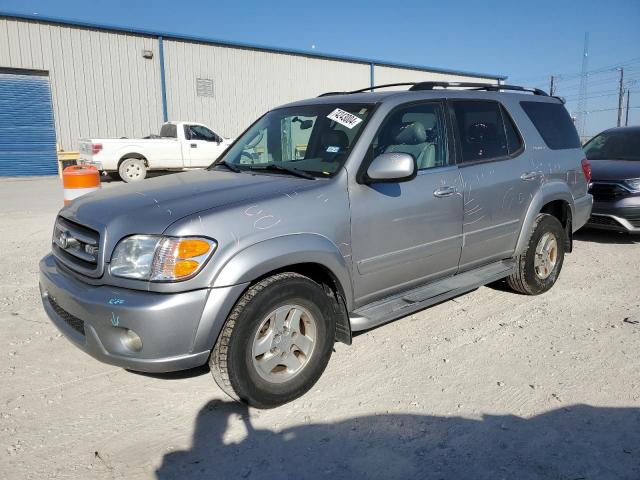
x=27, y=133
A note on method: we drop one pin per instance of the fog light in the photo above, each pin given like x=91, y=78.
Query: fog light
x=131, y=340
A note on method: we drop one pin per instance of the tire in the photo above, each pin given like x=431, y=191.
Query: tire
x=237, y=362
x=532, y=276
x=132, y=170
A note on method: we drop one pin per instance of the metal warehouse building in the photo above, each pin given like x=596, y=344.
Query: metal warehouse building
x=61, y=81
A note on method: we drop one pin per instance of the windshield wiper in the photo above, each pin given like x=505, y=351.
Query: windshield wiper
x=229, y=165
x=281, y=168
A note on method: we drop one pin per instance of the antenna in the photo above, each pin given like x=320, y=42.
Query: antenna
x=582, y=95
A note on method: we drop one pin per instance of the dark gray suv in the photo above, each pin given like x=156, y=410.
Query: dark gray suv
x=327, y=216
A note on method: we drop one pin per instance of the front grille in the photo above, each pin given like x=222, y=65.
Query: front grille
x=607, y=191
x=603, y=220
x=76, y=246
x=72, y=321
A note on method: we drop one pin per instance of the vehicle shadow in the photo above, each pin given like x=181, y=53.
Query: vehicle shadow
x=576, y=442
x=605, y=236
x=155, y=173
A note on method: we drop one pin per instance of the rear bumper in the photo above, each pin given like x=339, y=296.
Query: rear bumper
x=177, y=330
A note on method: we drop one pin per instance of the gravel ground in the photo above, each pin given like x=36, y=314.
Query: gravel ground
x=490, y=385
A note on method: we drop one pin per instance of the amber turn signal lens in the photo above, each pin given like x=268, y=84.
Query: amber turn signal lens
x=184, y=268
x=192, y=248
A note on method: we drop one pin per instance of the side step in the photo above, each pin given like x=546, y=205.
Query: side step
x=410, y=301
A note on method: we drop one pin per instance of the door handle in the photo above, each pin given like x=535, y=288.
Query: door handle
x=194, y=145
x=527, y=177
x=444, y=191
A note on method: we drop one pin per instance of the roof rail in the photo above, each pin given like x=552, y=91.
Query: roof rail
x=415, y=86
x=361, y=90
x=494, y=87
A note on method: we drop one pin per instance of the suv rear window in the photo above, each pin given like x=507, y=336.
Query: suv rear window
x=482, y=131
x=553, y=124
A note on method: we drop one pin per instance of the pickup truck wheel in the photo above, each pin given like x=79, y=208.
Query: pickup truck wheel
x=132, y=170
x=539, y=265
x=276, y=342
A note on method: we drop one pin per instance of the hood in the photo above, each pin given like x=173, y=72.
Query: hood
x=607, y=170
x=153, y=204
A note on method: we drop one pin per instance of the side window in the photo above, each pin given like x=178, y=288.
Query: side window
x=481, y=130
x=553, y=123
x=417, y=130
x=198, y=132
x=514, y=141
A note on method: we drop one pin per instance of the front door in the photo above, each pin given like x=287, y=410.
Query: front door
x=407, y=233
x=203, y=145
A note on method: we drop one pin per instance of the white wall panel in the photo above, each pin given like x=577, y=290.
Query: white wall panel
x=100, y=83
x=247, y=82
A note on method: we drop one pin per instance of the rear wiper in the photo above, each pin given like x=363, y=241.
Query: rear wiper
x=229, y=165
x=280, y=168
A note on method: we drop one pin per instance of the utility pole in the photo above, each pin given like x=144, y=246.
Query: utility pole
x=620, y=96
x=626, y=117
x=552, y=85
x=581, y=119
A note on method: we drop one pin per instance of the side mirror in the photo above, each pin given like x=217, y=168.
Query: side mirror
x=391, y=168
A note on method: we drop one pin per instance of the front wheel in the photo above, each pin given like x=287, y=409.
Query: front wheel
x=276, y=342
x=538, y=267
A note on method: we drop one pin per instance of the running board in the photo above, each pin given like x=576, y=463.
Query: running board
x=410, y=301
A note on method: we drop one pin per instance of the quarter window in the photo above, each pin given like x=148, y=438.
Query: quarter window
x=553, y=123
x=481, y=130
x=417, y=130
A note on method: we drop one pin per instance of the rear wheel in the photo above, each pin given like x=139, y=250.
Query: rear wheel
x=132, y=170
x=539, y=265
x=276, y=342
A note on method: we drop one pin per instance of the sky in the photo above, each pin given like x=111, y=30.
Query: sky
x=527, y=41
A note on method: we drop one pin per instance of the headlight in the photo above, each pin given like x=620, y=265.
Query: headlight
x=161, y=259
x=633, y=184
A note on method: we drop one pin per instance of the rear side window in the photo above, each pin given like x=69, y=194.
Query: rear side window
x=169, y=130
x=481, y=130
x=553, y=124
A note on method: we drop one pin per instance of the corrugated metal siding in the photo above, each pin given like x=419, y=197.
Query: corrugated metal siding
x=397, y=75
x=101, y=85
x=247, y=83
x=27, y=133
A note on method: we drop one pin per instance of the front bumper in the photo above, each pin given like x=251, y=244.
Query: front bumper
x=177, y=330
x=621, y=215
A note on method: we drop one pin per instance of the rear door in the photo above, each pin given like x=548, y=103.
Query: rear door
x=203, y=145
x=499, y=179
x=408, y=233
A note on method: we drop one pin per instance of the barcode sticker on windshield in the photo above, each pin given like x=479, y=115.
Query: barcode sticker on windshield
x=347, y=119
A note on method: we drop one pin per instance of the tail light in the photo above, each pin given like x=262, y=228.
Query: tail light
x=586, y=169
x=97, y=147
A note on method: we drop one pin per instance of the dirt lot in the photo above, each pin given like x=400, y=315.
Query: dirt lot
x=490, y=385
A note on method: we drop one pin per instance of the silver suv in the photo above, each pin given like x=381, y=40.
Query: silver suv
x=326, y=217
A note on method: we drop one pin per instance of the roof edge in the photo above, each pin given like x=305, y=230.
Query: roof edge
x=250, y=46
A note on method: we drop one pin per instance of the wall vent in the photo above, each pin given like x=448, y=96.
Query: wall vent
x=204, y=87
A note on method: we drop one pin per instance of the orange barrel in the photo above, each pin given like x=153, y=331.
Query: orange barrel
x=78, y=180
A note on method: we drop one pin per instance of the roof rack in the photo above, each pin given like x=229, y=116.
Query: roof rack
x=416, y=86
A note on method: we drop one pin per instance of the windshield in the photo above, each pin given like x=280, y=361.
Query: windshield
x=315, y=139
x=615, y=145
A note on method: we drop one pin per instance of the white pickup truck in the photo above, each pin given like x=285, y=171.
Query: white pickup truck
x=179, y=146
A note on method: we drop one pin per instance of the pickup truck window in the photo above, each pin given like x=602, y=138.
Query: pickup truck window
x=198, y=132
x=316, y=139
x=169, y=130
